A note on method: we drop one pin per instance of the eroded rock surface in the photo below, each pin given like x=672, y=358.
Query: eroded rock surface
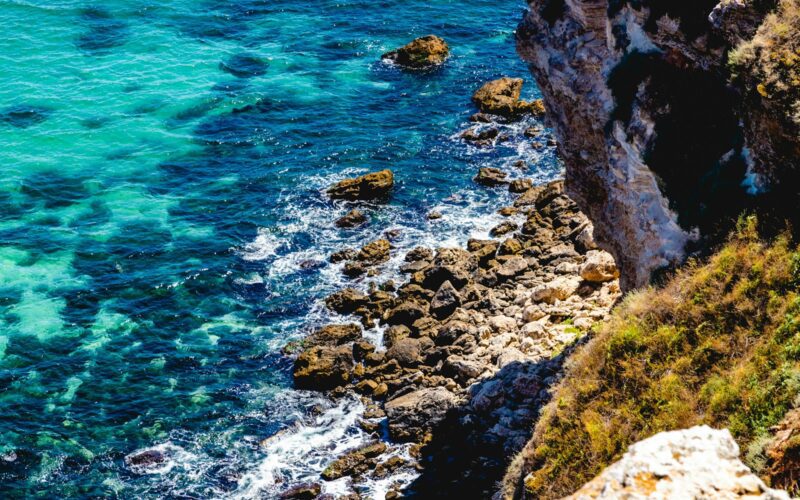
x=372, y=186
x=649, y=128
x=421, y=53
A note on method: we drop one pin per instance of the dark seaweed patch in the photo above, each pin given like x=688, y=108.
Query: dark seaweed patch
x=103, y=31
x=244, y=65
x=24, y=116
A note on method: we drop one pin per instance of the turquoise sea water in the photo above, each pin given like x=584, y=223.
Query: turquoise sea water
x=163, y=228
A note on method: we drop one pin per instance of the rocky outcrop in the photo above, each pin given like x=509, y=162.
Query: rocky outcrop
x=694, y=463
x=502, y=97
x=472, y=340
x=421, y=53
x=372, y=186
x=648, y=126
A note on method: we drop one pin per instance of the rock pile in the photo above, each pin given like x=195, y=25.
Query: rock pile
x=470, y=338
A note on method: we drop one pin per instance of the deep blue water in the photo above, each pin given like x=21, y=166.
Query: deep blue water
x=164, y=229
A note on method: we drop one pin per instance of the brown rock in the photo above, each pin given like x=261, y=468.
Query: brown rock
x=353, y=218
x=343, y=255
x=323, y=367
x=371, y=186
x=504, y=228
x=333, y=335
x=404, y=314
x=376, y=252
x=305, y=491
x=422, y=53
x=406, y=351
x=520, y=185
x=480, y=136
x=599, y=267
x=354, y=462
x=395, y=333
x=346, y=301
x=490, y=176
x=500, y=97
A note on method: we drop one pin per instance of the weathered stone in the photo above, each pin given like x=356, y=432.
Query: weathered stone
x=343, y=255
x=421, y=53
x=406, y=351
x=419, y=253
x=512, y=267
x=502, y=97
x=504, y=228
x=372, y=186
x=481, y=136
x=559, y=288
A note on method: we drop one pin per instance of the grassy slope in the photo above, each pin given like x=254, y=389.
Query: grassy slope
x=719, y=344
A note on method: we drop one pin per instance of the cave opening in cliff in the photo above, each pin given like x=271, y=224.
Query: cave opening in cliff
x=696, y=146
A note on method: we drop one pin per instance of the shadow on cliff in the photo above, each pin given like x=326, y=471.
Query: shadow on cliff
x=470, y=450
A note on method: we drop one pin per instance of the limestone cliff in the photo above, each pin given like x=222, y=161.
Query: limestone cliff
x=671, y=116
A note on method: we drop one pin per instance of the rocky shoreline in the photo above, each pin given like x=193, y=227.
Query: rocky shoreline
x=472, y=341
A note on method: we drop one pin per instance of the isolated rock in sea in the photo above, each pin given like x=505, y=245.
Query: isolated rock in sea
x=502, y=97
x=490, y=176
x=146, y=459
x=421, y=53
x=700, y=462
x=412, y=414
x=353, y=218
x=480, y=136
x=372, y=186
x=599, y=267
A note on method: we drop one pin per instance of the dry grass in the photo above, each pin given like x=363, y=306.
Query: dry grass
x=719, y=344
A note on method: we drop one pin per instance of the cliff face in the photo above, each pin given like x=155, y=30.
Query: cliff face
x=661, y=149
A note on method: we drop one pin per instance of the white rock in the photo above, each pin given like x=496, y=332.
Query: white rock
x=700, y=462
x=532, y=313
x=502, y=323
x=558, y=289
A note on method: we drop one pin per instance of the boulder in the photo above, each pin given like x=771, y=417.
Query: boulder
x=445, y=301
x=146, y=459
x=700, y=462
x=520, y=185
x=419, y=253
x=376, y=252
x=512, y=267
x=346, y=301
x=354, y=462
x=411, y=415
x=395, y=333
x=599, y=267
x=480, y=136
x=422, y=53
x=451, y=264
x=407, y=352
x=404, y=314
x=371, y=186
x=353, y=218
x=323, y=367
x=499, y=97
x=343, y=255
x=490, y=176
x=560, y=288
x=333, y=335
x=504, y=228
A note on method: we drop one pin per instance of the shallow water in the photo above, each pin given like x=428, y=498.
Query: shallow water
x=163, y=229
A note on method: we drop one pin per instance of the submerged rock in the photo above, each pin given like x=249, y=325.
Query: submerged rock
x=422, y=53
x=700, y=462
x=353, y=218
x=146, y=459
x=244, y=65
x=371, y=186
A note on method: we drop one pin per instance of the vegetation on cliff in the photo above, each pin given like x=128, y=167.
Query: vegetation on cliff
x=718, y=344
